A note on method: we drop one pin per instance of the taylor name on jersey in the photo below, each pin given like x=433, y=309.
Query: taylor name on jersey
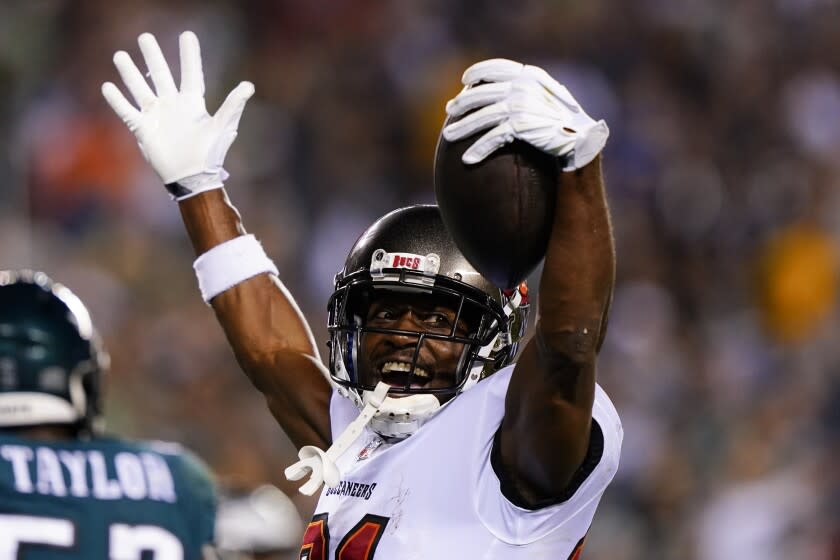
x=102, y=498
x=85, y=473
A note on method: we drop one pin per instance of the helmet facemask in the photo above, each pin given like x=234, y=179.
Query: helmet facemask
x=363, y=351
x=355, y=326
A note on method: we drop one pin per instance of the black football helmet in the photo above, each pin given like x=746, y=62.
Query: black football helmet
x=51, y=357
x=409, y=251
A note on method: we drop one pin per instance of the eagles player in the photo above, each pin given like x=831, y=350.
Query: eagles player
x=456, y=452
x=66, y=491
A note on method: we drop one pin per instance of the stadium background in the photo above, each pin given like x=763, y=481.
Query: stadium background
x=722, y=166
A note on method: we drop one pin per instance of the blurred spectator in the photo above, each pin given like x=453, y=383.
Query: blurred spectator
x=261, y=524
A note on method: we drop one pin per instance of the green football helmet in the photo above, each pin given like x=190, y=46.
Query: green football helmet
x=51, y=358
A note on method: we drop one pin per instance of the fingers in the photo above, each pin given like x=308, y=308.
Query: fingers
x=477, y=96
x=492, y=70
x=504, y=70
x=553, y=86
x=231, y=110
x=120, y=105
x=489, y=143
x=192, y=74
x=159, y=70
x=475, y=122
x=133, y=80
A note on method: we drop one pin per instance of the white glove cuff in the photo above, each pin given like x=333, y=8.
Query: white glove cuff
x=187, y=187
x=226, y=265
x=587, y=146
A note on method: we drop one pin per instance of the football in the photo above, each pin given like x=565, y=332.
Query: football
x=498, y=211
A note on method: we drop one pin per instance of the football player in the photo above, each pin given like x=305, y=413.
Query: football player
x=437, y=445
x=67, y=491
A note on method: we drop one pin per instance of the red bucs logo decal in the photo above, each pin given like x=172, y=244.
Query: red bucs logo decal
x=405, y=261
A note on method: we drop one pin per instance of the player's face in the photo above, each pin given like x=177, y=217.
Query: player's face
x=388, y=357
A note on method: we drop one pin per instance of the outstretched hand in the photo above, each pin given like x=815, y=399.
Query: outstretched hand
x=185, y=145
x=517, y=101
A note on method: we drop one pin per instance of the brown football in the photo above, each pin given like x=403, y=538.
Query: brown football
x=498, y=211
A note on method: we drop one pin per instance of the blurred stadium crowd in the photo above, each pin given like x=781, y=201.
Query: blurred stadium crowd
x=723, y=171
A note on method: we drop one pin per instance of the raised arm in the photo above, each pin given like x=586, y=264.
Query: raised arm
x=186, y=147
x=269, y=336
x=545, y=435
x=548, y=411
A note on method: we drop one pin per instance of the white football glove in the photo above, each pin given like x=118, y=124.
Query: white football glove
x=516, y=101
x=182, y=142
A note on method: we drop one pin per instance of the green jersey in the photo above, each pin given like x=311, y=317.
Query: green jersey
x=102, y=499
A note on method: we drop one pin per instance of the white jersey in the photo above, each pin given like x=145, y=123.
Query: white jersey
x=436, y=494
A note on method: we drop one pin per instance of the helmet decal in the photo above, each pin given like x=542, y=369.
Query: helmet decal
x=381, y=259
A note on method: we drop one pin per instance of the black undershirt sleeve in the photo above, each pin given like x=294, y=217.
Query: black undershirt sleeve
x=509, y=490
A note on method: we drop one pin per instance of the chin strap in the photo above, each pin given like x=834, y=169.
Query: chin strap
x=321, y=464
x=399, y=418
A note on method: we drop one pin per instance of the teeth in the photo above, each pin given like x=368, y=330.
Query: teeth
x=404, y=366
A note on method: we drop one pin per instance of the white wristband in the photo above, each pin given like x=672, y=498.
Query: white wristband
x=226, y=265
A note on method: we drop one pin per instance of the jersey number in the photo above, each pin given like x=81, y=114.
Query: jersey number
x=575, y=555
x=125, y=542
x=358, y=544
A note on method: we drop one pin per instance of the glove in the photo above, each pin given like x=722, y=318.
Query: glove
x=182, y=142
x=522, y=102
